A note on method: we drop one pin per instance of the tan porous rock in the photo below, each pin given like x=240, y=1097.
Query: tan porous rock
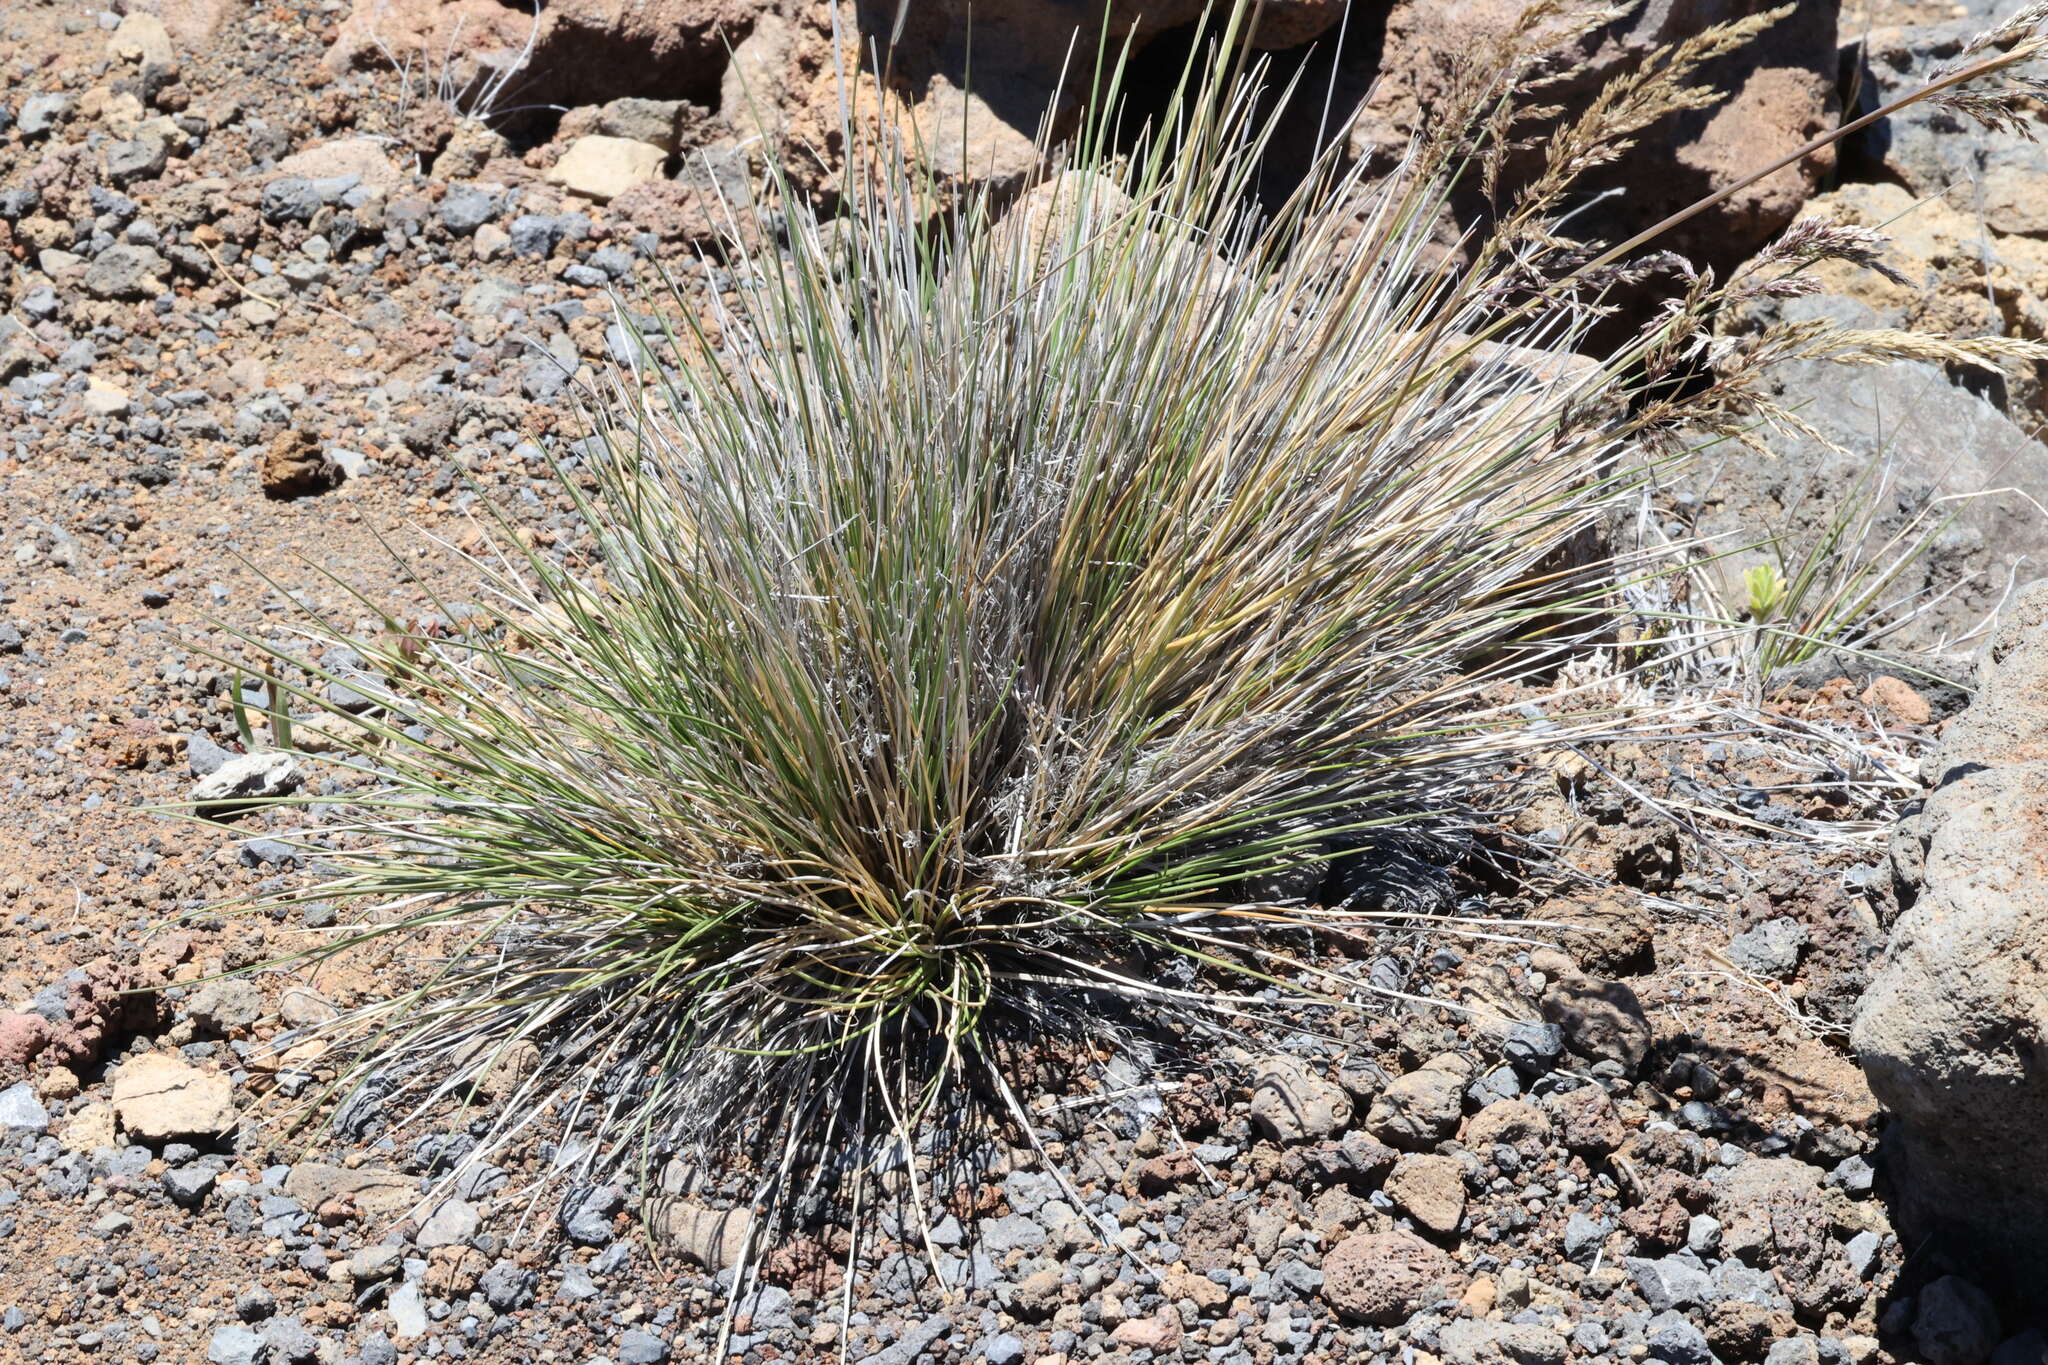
x=1382, y=1278
x=603, y=168
x=159, y=1097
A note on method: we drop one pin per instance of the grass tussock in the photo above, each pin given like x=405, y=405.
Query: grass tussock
x=991, y=612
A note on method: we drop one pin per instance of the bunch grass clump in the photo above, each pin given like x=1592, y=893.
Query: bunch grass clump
x=988, y=613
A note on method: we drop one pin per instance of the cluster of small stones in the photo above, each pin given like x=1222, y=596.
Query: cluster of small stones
x=1526, y=1192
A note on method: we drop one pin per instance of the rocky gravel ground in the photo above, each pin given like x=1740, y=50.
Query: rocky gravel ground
x=273, y=327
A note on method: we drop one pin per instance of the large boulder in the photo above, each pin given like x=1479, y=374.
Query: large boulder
x=1953, y=1032
x=1956, y=277
x=1998, y=177
x=572, y=52
x=968, y=101
x=970, y=84
x=1051, y=34
x=1917, y=444
x=1780, y=91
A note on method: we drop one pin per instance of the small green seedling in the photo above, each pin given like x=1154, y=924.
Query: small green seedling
x=276, y=712
x=1766, y=587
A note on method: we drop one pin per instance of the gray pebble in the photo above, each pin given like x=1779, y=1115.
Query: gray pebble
x=1862, y=1251
x=769, y=1306
x=21, y=1111
x=236, y=1345
x=1671, y=1282
x=452, y=1224
x=42, y=113
x=290, y=1343
x=132, y=159
x=1012, y=1232
x=507, y=1287
x=1853, y=1176
x=68, y=1176
x=642, y=1348
x=465, y=208
x=266, y=853
x=586, y=1214
x=576, y=1285
x=112, y=1224
x=913, y=1343
x=534, y=234
x=1770, y=949
x=1734, y=1280
x=1501, y=1083
x=1677, y=1342
x=1582, y=1237
x=615, y=262
x=126, y=272
x=1533, y=1048
x=187, y=1186
x=290, y=199
x=1801, y=1350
